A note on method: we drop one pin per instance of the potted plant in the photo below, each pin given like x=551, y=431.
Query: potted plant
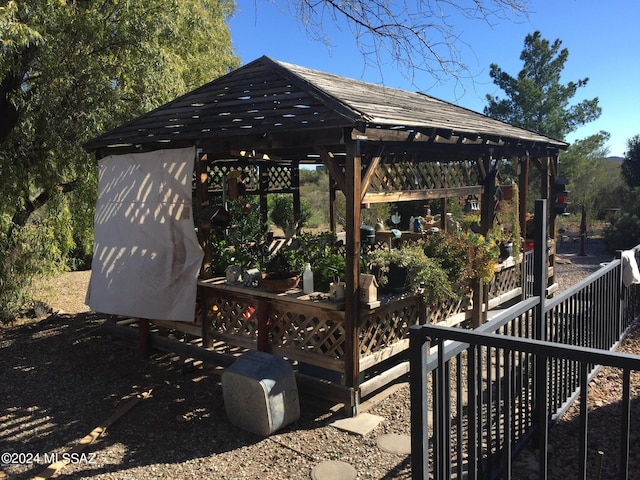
x=409, y=269
x=508, y=188
x=483, y=254
x=282, y=271
x=509, y=224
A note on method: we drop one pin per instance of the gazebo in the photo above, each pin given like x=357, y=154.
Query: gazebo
x=265, y=120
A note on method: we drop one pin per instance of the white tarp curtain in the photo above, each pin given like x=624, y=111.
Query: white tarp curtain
x=146, y=254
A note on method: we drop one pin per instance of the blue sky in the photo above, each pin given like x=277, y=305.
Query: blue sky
x=603, y=40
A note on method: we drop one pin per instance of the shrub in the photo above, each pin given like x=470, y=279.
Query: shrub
x=623, y=233
x=453, y=253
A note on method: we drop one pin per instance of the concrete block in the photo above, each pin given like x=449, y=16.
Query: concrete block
x=260, y=393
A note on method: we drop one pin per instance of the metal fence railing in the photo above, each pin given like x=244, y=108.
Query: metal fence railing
x=479, y=396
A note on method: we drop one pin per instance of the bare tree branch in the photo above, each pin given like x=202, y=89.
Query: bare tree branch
x=418, y=36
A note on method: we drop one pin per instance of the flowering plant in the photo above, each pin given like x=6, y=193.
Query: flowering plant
x=483, y=255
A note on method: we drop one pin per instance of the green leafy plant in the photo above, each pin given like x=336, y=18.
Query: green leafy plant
x=327, y=269
x=470, y=222
x=224, y=255
x=325, y=254
x=483, y=253
x=454, y=254
x=424, y=274
x=282, y=262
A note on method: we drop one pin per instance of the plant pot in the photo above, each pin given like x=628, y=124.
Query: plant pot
x=506, y=250
x=279, y=281
x=396, y=278
x=507, y=192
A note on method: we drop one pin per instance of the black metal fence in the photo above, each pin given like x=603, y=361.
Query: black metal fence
x=479, y=396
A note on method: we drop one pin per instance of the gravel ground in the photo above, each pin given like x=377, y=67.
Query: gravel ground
x=61, y=378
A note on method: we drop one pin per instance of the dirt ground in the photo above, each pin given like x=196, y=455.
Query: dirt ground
x=62, y=377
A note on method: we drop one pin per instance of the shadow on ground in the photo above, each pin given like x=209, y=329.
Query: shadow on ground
x=62, y=376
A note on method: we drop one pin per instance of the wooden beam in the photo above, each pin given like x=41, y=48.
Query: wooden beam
x=481, y=168
x=366, y=178
x=333, y=166
x=295, y=180
x=523, y=183
x=406, y=195
x=332, y=205
x=264, y=188
x=553, y=167
x=54, y=468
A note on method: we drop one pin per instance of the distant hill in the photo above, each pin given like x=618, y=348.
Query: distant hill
x=615, y=159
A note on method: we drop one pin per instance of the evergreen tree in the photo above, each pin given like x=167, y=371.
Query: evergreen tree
x=631, y=163
x=535, y=98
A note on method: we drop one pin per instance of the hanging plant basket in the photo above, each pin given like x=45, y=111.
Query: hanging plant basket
x=506, y=250
x=507, y=192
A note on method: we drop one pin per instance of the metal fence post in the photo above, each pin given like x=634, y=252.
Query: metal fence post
x=622, y=325
x=419, y=403
x=540, y=329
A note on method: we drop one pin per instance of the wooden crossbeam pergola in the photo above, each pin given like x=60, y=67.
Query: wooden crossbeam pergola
x=268, y=118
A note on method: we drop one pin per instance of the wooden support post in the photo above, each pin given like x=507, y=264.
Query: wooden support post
x=295, y=181
x=487, y=203
x=143, y=337
x=202, y=200
x=264, y=189
x=352, y=274
x=553, y=222
x=332, y=205
x=545, y=193
x=263, y=312
x=204, y=317
x=478, y=307
x=523, y=183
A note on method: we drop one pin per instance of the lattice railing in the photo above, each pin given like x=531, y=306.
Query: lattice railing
x=405, y=175
x=280, y=177
x=217, y=175
x=233, y=318
x=310, y=333
x=450, y=307
x=390, y=324
x=505, y=280
x=302, y=333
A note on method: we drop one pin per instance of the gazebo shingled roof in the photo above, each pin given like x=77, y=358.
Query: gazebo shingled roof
x=253, y=104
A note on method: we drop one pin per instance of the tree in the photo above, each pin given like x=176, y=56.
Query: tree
x=624, y=231
x=281, y=208
x=536, y=100
x=582, y=165
x=581, y=158
x=631, y=163
x=418, y=36
x=69, y=70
